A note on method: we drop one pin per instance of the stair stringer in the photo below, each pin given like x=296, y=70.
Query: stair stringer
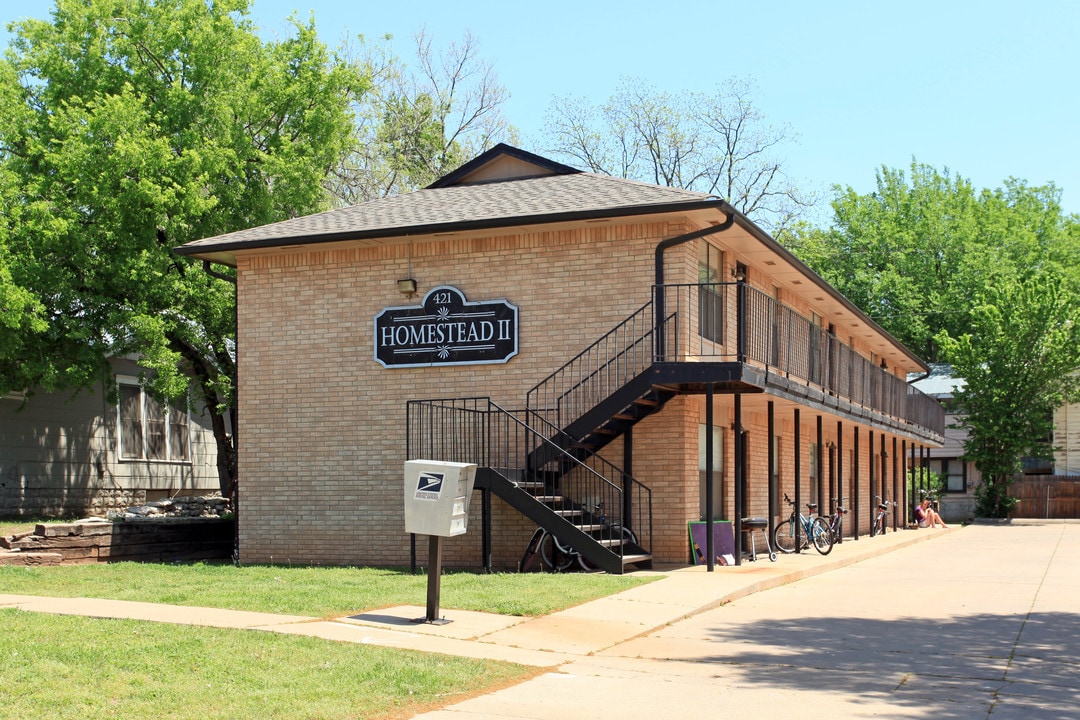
x=546, y=517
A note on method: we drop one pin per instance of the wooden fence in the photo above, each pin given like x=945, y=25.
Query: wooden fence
x=1047, y=496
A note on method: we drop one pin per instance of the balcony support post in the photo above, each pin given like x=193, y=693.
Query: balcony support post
x=823, y=510
x=840, y=466
x=798, y=481
x=740, y=478
x=773, y=490
x=710, y=545
x=855, y=486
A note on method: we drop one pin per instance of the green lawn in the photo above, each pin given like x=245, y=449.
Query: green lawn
x=321, y=592
x=73, y=667
x=64, y=667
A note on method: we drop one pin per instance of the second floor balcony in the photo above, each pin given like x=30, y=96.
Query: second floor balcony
x=736, y=323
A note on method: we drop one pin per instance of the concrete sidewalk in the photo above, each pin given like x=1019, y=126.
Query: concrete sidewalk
x=976, y=623
x=546, y=641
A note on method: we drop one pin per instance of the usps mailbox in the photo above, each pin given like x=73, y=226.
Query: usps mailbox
x=437, y=497
x=437, y=505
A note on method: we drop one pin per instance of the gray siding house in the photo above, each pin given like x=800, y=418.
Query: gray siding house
x=76, y=454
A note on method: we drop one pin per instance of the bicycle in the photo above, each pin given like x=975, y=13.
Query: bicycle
x=836, y=522
x=545, y=553
x=557, y=557
x=814, y=530
x=879, y=525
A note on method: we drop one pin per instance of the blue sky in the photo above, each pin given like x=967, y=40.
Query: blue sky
x=988, y=89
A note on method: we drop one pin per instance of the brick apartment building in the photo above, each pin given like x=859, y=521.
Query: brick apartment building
x=567, y=332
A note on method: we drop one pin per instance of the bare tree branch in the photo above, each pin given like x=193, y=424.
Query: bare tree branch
x=716, y=143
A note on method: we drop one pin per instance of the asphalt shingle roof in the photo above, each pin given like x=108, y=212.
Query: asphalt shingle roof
x=493, y=204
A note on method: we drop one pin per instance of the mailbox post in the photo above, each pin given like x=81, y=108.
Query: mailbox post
x=437, y=496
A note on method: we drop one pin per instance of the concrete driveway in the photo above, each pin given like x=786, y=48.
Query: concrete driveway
x=983, y=623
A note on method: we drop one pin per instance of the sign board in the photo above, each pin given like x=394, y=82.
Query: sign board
x=446, y=329
x=723, y=540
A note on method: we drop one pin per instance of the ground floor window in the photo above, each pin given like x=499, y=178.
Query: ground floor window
x=953, y=474
x=718, y=471
x=150, y=430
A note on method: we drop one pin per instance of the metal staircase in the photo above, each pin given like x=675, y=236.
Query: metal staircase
x=566, y=495
x=543, y=460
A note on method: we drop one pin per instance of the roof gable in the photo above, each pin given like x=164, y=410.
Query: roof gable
x=502, y=162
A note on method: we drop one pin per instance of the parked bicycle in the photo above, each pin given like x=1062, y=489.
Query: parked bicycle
x=813, y=530
x=557, y=557
x=880, y=519
x=545, y=553
x=836, y=522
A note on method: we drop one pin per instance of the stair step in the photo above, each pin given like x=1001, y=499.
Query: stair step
x=590, y=528
x=647, y=402
x=631, y=559
x=569, y=513
x=623, y=416
x=549, y=498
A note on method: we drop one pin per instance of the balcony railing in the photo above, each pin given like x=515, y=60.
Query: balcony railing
x=733, y=322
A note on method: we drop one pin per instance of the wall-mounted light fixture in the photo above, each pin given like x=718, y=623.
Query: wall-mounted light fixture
x=738, y=274
x=407, y=287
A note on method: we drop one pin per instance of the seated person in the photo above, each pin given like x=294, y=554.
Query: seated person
x=926, y=516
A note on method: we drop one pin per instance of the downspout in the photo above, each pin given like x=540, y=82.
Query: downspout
x=662, y=246
x=658, y=306
x=925, y=375
x=208, y=268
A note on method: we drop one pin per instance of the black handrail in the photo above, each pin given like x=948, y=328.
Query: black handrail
x=635, y=512
x=476, y=430
x=597, y=371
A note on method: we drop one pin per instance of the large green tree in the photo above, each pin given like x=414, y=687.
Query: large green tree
x=1019, y=362
x=984, y=279
x=128, y=128
x=916, y=251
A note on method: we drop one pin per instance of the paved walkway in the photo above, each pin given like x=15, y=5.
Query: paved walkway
x=979, y=622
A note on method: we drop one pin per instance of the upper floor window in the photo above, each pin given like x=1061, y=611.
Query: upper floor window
x=150, y=430
x=710, y=299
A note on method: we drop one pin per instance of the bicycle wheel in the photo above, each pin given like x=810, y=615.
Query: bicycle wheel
x=556, y=557
x=784, y=537
x=627, y=537
x=876, y=528
x=821, y=536
x=837, y=531
x=531, y=560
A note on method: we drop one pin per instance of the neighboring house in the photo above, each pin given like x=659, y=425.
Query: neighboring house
x=76, y=454
x=588, y=341
x=957, y=502
x=960, y=475
x=1067, y=440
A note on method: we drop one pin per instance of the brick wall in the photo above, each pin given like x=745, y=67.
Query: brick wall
x=323, y=425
